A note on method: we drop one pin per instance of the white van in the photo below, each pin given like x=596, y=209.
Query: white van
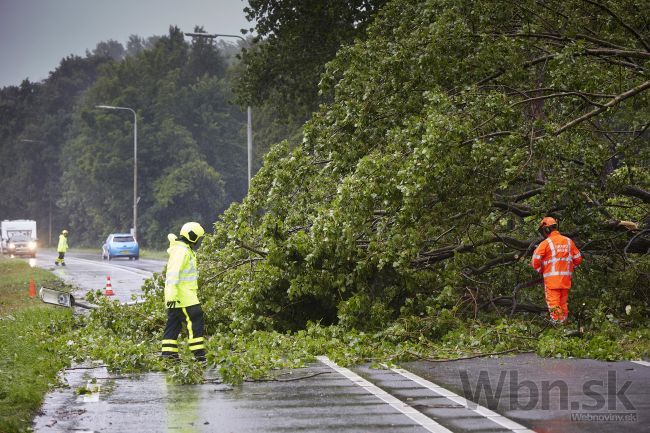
x=18, y=237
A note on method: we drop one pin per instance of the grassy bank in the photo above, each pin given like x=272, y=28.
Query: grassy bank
x=31, y=335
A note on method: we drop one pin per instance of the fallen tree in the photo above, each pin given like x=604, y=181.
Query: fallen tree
x=455, y=128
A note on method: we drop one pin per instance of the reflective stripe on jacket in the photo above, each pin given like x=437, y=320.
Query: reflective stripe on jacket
x=63, y=244
x=554, y=258
x=181, y=280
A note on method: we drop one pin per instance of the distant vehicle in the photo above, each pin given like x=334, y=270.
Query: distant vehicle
x=11, y=228
x=120, y=245
x=21, y=245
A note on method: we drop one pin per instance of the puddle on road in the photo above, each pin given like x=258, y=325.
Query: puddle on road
x=88, y=398
x=182, y=408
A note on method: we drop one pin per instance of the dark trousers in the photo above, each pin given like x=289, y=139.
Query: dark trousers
x=192, y=316
x=61, y=258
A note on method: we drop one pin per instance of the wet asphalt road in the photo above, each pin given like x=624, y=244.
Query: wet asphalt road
x=520, y=394
x=332, y=402
x=90, y=272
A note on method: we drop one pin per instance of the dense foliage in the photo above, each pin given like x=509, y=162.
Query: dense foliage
x=455, y=127
x=294, y=39
x=283, y=63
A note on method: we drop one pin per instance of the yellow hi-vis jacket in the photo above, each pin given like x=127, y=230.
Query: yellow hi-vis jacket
x=181, y=282
x=63, y=244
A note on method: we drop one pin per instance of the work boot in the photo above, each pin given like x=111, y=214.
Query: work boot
x=199, y=356
x=62, y=263
x=552, y=323
x=56, y=263
x=171, y=358
x=573, y=333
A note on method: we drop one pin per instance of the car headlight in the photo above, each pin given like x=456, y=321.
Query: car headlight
x=31, y=245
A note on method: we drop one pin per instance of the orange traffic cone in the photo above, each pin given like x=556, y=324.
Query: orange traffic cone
x=32, y=288
x=109, y=287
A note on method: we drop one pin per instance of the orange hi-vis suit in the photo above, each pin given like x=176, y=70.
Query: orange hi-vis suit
x=554, y=258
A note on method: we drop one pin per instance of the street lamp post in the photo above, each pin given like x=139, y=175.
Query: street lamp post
x=249, y=111
x=135, y=163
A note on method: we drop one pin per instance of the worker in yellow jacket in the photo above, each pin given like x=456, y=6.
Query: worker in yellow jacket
x=181, y=300
x=62, y=248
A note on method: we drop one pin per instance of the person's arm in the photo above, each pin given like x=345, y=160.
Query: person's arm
x=575, y=253
x=538, y=256
x=172, y=277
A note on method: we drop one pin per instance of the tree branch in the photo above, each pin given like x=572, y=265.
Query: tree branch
x=251, y=249
x=521, y=210
x=623, y=23
x=635, y=191
x=556, y=95
x=524, y=195
x=490, y=135
x=233, y=266
x=621, y=53
x=640, y=88
x=641, y=249
x=479, y=355
x=503, y=259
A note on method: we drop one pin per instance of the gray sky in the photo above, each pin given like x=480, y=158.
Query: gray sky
x=36, y=34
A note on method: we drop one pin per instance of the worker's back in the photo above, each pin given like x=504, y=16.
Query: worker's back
x=556, y=256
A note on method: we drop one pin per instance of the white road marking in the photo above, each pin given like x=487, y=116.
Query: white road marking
x=481, y=410
x=646, y=363
x=404, y=408
x=138, y=272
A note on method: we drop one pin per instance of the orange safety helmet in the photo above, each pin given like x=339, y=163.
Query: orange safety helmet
x=547, y=225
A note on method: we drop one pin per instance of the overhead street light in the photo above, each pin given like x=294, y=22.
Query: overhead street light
x=249, y=112
x=135, y=163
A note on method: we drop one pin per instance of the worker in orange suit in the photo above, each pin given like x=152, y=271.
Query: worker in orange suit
x=554, y=258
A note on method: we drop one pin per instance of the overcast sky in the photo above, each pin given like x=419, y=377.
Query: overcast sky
x=36, y=34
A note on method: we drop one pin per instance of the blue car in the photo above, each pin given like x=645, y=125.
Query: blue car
x=120, y=245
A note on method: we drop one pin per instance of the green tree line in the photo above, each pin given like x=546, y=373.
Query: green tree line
x=61, y=156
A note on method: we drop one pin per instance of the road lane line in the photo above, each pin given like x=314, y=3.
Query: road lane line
x=404, y=408
x=481, y=410
x=646, y=363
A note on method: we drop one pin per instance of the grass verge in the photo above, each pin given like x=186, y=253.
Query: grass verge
x=146, y=253
x=31, y=337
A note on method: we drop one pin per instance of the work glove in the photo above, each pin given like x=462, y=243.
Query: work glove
x=171, y=304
